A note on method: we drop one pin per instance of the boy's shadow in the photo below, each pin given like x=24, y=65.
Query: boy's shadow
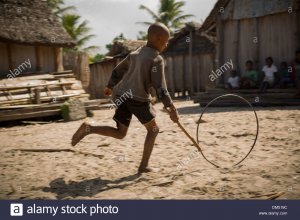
x=87, y=187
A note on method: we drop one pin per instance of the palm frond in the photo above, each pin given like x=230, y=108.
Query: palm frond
x=154, y=16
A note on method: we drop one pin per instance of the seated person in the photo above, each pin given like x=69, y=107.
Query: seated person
x=269, y=71
x=233, y=81
x=296, y=72
x=249, y=78
x=285, y=76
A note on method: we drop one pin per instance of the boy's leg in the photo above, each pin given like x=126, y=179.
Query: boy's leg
x=122, y=117
x=85, y=129
x=152, y=131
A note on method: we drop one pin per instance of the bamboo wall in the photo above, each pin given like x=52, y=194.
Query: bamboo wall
x=78, y=62
x=181, y=80
x=257, y=38
x=42, y=58
x=99, y=76
x=178, y=77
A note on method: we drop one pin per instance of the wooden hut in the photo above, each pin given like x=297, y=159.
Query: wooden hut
x=32, y=81
x=189, y=60
x=30, y=32
x=253, y=30
x=101, y=71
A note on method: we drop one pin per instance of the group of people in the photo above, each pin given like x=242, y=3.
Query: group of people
x=273, y=77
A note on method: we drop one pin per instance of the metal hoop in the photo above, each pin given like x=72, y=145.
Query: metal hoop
x=250, y=105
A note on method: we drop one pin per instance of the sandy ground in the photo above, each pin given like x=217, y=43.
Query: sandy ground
x=54, y=172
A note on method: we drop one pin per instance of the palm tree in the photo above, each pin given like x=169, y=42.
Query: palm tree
x=58, y=7
x=78, y=31
x=169, y=13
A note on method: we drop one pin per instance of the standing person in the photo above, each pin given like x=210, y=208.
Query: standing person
x=269, y=71
x=137, y=73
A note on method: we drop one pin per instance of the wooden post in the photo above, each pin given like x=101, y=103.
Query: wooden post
x=219, y=47
x=256, y=45
x=9, y=56
x=298, y=28
x=174, y=75
x=39, y=58
x=236, y=46
x=37, y=95
x=58, y=54
x=182, y=59
x=190, y=62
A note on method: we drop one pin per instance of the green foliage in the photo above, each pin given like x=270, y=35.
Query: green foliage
x=97, y=58
x=142, y=35
x=119, y=37
x=65, y=111
x=78, y=30
x=58, y=7
x=169, y=13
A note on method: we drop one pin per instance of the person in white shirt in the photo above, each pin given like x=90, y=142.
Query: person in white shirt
x=233, y=81
x=269, y=71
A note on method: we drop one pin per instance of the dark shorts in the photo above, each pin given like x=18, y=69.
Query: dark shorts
x=144, y=112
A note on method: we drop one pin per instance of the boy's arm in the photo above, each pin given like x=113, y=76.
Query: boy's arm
x=159, y=82
x=118, y=73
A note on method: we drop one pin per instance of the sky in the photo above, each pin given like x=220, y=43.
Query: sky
x=109, y=18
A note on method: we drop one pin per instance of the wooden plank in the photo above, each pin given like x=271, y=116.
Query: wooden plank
x=44, y=99
x=250, y=91
x=30, y=108
x=36, y=85
x=30, y=115
x=62, y=72
x=68, y=75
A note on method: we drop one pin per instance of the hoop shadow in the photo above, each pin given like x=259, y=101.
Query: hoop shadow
x=89, y=187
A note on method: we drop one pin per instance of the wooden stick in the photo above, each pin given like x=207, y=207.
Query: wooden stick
x=193, y=140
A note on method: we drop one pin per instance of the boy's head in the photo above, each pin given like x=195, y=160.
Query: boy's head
x=249, y=65
x=158, y=36
x=269, y=61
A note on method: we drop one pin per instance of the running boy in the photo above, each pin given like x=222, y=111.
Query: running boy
x=137, y=73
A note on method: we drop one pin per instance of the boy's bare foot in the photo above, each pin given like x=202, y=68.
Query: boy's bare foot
x=82, y=131
x=147, y=170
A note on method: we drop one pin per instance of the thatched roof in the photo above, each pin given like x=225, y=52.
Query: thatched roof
x=31, y=22
x=210, y=22
x=123, y=47
x=178, y=43
x=194, y=26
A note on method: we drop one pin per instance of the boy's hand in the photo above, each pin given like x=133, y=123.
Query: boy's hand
x=107, y=91
x=173, y=114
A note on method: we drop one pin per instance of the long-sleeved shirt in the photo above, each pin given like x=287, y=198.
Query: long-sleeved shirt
x=138, y=72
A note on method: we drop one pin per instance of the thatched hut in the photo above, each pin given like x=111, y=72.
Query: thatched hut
x=101, y=71
x=30, y=33
x=253, y=30
x=189, y=60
